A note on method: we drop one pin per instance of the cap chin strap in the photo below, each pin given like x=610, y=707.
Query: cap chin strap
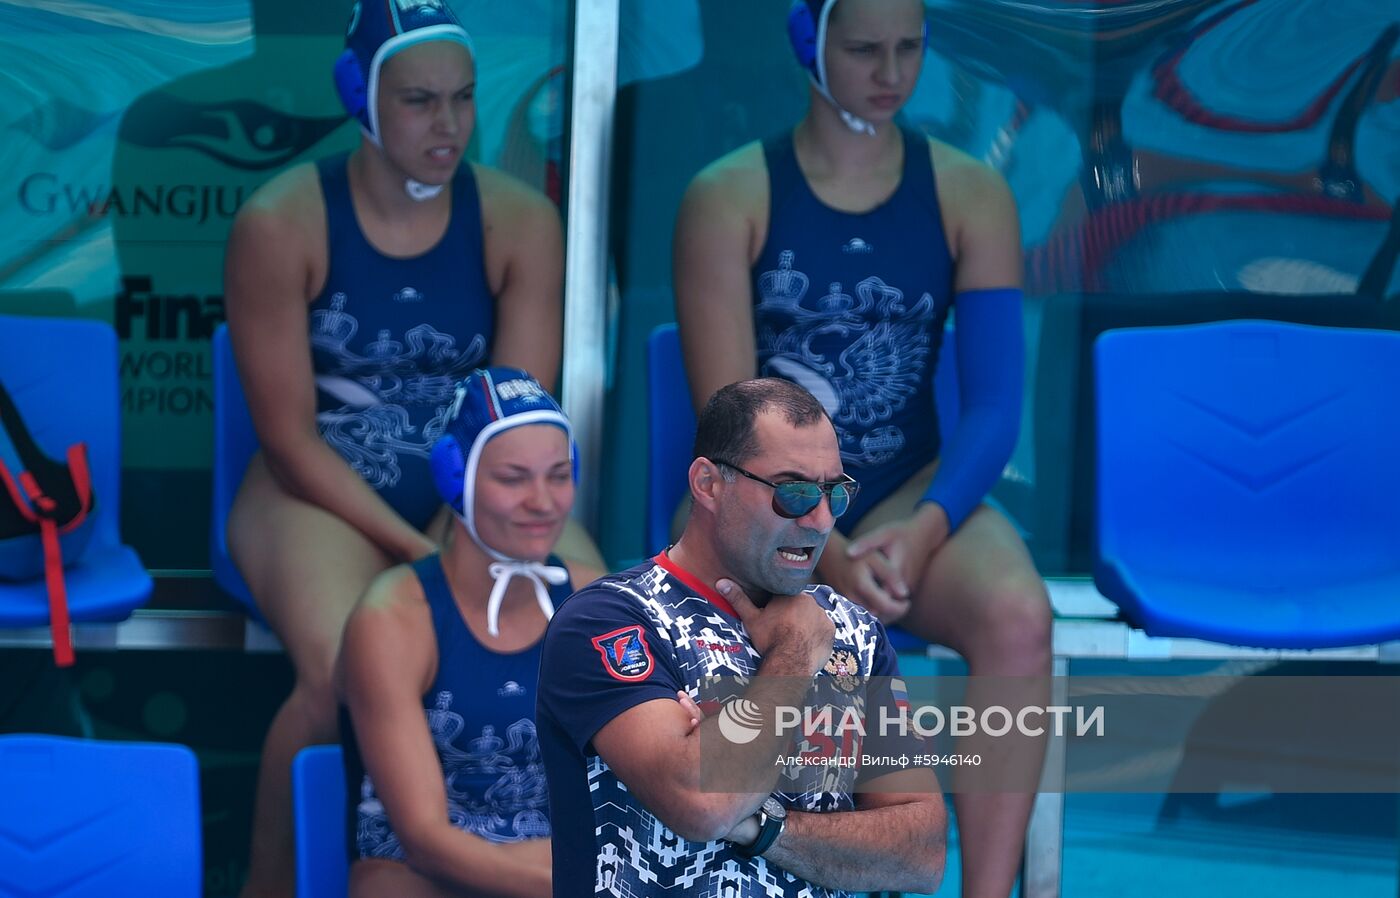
x=534, y=571
x=504, y=568
x=852, y=121
x=856, y=124
x=418, y=191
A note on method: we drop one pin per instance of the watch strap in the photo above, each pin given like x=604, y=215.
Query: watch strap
x=769, y=828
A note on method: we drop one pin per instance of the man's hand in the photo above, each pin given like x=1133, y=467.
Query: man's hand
x=791, y=628
x=696, y=715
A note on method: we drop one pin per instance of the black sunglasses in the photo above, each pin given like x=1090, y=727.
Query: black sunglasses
x=795, y=498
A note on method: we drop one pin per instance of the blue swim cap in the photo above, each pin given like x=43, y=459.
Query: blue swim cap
x=807, y=30
x=378, y=29
x=488, y=402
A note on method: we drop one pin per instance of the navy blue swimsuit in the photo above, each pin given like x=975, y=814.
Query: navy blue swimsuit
x=391, y=337
x=481, y=713
x=852, y=307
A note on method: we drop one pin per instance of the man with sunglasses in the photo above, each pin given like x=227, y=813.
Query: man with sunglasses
x=724, y=618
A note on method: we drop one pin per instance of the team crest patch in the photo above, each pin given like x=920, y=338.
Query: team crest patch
x=626, y=655
x=843, y=670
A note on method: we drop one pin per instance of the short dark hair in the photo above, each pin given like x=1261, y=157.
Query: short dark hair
x=726, y=428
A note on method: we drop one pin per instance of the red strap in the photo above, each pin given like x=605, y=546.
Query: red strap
x=43, y=505
x=58, y=595
x=82, y=483
x=53, y=572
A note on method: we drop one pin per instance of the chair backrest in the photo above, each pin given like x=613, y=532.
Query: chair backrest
x=1257, y=456
x=87, y=819
x=235, y=443
x=671, y=424
x=62, y=375
x=670, y=432
x=318, y=806
x=1064, y=384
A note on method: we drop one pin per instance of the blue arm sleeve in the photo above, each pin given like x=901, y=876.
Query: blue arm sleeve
x=991, y=360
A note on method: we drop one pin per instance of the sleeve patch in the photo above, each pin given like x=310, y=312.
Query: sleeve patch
x=626, y=655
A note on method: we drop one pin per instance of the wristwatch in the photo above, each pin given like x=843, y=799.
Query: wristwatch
x=772, y=817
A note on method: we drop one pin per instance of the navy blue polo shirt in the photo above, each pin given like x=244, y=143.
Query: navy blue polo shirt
x=644, y=634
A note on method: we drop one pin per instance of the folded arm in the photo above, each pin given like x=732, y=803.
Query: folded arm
x=654, y=748
x=893, y=841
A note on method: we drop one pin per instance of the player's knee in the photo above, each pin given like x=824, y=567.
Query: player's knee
x=1017, y=620
x=315, y=675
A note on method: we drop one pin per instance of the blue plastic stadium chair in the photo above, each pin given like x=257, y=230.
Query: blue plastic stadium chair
x=86, y=819
x=62, y=375
x=235, y=443
x=671, y=435
x=318, y=806
x=1249, y=482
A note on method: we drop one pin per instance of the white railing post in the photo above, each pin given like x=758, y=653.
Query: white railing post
x=592, y=105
